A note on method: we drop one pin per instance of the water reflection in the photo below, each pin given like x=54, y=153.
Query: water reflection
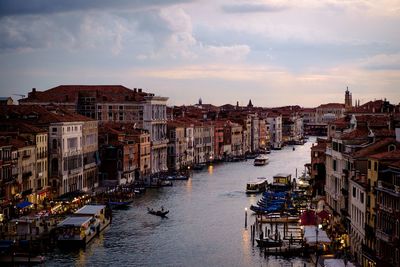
x=210, y=169
x=205, y=225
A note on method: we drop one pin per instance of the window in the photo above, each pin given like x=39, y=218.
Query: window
x=369, y=164
x=334, y=165
x=354, y=191
x=54, y=130
x=375, y=166
x=362, y=198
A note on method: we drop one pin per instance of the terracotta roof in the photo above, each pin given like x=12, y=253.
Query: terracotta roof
x=121, y=128
x=320, y=146
x=20, y=127
x=376, y=106
x=14, y=141
x=395, y=164
x=358, y=133
x=308, y=110
x=331, y=105
x=71, y=93
x=380, y=146
x=381, y=133
x=36, y=114
x=391, y=155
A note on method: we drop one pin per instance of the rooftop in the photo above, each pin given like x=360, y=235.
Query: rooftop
x=71, y=94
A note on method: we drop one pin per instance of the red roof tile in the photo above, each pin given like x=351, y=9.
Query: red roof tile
x=395, y=155
x=378, y=147
x=71, y=93
x=36, y=114
x=331, y=105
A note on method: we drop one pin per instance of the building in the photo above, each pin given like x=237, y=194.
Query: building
x=155, y=122
x=70, y=169
x=177, y=146
x=318, y=163
x=381, y=248
x=329, y=112
x=119, y=154
x=4, y=101
x=113, y=103
x=38, y=137
x=234, y=138
x=348, y=101
x=275, y=122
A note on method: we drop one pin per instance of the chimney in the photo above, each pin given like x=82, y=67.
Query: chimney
x=139, y=90
x=33, y=90
x=134, y=90
x=398, y=133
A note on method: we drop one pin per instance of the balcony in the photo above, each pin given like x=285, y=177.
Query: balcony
x=74, y=171
x=389, y=188
x=385, y=235
x=368, y=251
x=90, y=165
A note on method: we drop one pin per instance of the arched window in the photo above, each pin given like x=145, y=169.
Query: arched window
x=392, y=147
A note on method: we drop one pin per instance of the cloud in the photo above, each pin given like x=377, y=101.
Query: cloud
x=234, y=52
x=382, y=62
x=32, y=7
x=253, y=8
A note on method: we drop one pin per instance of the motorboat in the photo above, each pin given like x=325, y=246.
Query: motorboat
x=261, y=160
x=257, y=186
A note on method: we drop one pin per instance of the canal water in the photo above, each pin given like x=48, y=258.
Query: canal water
x=205, y=225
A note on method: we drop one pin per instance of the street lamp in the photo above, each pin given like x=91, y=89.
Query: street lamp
x=245, y=217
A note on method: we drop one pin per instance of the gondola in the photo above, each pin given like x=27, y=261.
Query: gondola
x=268, y=242
x=120, y=204
x=161, y=213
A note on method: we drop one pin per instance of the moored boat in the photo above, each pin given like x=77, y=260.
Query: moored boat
x=80, y=228
x=281, y=182
x=268, y=242
x=257, y=186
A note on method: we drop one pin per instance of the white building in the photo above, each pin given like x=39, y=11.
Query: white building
x=275, y=126
x=155, y=121
x=357, y=209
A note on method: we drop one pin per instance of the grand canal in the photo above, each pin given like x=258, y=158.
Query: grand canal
x=205, y=226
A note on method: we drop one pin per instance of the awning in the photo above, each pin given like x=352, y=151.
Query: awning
x=24, y=204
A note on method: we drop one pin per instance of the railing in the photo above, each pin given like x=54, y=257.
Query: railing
x=368, y=251
x=385, y=235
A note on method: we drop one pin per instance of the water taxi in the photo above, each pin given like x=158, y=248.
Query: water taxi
x=281, y=182
x=81, y=227
x=257, y=186
x=261, y=160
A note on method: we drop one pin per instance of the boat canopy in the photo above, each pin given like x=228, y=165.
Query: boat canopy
x=90, y=210
x=310, y=235
x=75, y=221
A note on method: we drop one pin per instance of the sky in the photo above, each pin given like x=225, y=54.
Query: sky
x=287, y=52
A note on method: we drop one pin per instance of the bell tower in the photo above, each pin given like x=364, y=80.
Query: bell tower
x=348, y=102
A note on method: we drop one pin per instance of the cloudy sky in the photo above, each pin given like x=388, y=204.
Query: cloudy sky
x=275, y=52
